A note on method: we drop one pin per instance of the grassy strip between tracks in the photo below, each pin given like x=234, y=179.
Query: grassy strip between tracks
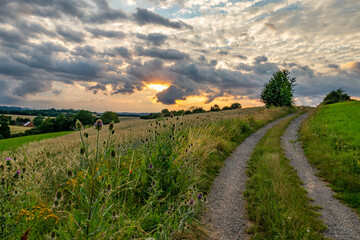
x=277, y=205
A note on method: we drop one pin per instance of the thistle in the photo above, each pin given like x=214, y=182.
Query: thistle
x=78, y=124
x=98, y=124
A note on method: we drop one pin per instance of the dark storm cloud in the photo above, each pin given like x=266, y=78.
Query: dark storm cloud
x=166, y=54
x=260, y=59
x=12, y=37
x=170, y=95
x=13, y=68
x=223, y=52
x=143, y=16
x=32, y=87
x=156, y=39
x=70, y=35
x=97, y=87
x=333, y=66
x=241, y=56
x=98, y=33
x=105, y=13
x=85, y=51
x=118, y=51
x=48, y=48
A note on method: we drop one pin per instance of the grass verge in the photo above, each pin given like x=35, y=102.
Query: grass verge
x=277, y=205
x=331, y=139
x=13, y=143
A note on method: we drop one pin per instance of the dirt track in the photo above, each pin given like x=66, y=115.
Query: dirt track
x=341, y=221
x=225, y=213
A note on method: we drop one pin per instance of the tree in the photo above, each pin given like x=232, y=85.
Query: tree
x=336, y=96
x=38, y=120
x=235, y=106
x=279, y=90
x=108, y=117
x=85, y=117
x=4, y=127
x=165, y=112
x=215, y=108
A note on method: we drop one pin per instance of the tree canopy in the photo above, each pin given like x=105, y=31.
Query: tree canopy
x=279, y=90
x=108, y=116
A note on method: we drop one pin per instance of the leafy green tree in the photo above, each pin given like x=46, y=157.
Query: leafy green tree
x=279, y=90
x=226, y=108
x=165, y=112
x=235, y=106
x=4, y=127
x=85, y=117
x=38, y=120
x=108, y=116
x=336, y=96
x=215, y=108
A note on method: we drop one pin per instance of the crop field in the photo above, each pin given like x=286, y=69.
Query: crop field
x=18, y=129
x=139, y=179
x=14, y=116
x=332, y=143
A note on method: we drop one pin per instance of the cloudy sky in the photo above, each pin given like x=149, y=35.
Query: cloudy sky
x=146, y=55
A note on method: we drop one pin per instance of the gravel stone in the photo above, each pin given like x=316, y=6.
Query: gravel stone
x=342, y=222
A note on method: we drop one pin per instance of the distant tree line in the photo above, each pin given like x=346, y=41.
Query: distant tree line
x=52, y=112
x=166, y=113
x=62, y=122
x=336, y=96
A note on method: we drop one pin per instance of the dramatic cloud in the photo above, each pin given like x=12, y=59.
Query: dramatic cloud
x=210, y=51
x=144, y=16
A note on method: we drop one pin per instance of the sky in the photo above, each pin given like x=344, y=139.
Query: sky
x=147, y=55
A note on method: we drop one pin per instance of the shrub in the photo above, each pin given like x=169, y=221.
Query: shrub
x=336, y=96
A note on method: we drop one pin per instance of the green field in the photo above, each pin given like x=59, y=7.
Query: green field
x=332, y=144
x=277, y=205
x=13, y=143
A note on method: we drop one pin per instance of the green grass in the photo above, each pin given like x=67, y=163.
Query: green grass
x=13, y=143
x=332, y=144
x=277, y=205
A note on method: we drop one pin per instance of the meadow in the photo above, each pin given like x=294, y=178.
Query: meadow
x=18, y=129
x=331, y=139
x=11, y=144
x=136, y=179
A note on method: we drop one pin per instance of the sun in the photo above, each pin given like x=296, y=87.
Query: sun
x=158, y=87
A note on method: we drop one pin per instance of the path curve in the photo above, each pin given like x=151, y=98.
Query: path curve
x=225, y=213
x=341, y=221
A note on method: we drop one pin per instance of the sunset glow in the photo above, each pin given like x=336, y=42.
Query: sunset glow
x=158, y=87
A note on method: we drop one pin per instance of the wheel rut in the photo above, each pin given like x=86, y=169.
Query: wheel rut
x=225, y=213
x=342, y=223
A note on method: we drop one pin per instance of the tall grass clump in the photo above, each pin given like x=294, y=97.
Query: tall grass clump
x=133, y=180
x=277, y=205
x=331, y=140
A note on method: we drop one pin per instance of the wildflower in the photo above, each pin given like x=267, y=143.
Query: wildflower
x=199, y=196
x=111, y=126
x=130, y=171
x=171, y=115
x=191, y=202
x=78, y=124
x=8, y=161
x=151, y=166
x=18, y=172
x=98, y=124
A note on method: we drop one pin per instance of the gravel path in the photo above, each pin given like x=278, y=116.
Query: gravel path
x=225, y=214
x=341, y=221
